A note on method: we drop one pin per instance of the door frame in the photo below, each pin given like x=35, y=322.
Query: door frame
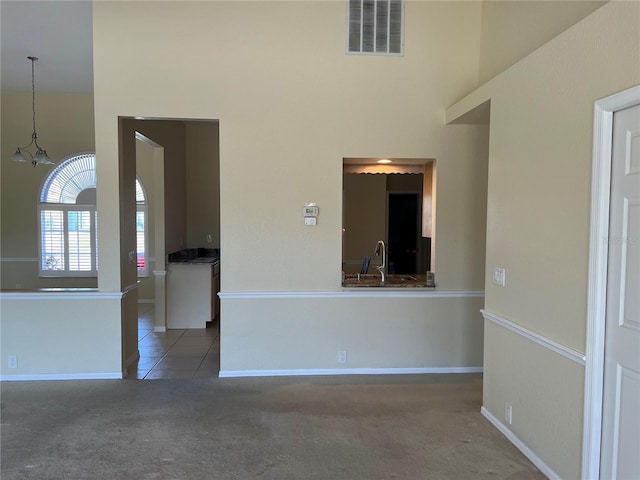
x=598, y=263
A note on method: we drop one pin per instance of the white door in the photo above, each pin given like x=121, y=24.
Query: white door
x=620, y=452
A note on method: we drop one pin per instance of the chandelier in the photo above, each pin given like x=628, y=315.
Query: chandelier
x=40, y=157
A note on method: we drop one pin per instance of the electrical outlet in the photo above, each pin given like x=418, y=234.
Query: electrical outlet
x=508, y=412
x=499, y=276
x=12, y=361
x=342, y=356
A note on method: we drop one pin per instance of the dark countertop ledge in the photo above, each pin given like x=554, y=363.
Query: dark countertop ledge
x=370, y=280
x=194, y=256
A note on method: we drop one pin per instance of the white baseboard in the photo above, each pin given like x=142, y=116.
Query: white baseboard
x=159, y=329
x=62, y=376
x=519, y=444
x=346, y=371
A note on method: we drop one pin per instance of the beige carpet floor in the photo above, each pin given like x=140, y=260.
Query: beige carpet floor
x=324, y=428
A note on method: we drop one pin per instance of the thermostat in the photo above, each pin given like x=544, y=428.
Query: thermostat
x=310, y=211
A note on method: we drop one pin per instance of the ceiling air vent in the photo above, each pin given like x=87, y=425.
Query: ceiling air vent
x=375, y=27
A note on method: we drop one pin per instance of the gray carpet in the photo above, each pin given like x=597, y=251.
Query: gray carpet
x=324, y=428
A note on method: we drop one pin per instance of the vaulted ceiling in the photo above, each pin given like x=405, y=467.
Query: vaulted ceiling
x=59, y=33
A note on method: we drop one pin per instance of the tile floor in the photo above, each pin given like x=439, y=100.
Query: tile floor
x=191, y=353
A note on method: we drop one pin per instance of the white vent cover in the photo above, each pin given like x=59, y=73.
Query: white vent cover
x=375, y=27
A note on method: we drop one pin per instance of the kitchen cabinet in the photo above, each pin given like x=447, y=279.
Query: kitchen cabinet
x=192, y=294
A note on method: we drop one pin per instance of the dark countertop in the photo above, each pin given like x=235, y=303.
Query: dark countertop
x=194, y=256
x=196, y=261
x=371, y=280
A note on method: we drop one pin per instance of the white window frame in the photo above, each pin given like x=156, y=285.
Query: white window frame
x=67, y=188
x=66, y=271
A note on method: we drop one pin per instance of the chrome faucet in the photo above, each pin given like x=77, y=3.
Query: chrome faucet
x=380, y=246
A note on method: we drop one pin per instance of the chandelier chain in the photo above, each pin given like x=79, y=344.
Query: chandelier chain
x=33, y=94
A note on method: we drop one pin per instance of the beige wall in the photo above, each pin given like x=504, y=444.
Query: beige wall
x=512, y=30
x=55, y=335
x=21, y=183
x=291, y=106
x=542, y=128
x=401, y=182
x=398, y=334
x=544, y=390
x=365, y=206
x=275, y=107
x=203, y=184
x=542, y=121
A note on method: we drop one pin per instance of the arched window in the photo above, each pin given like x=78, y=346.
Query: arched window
x=68, y=220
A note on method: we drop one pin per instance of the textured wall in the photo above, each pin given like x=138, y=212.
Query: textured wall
x=512, y=30
x=538, y=211
x=291, y=105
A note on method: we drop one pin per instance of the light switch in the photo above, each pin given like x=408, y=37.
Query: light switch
x=499, y=276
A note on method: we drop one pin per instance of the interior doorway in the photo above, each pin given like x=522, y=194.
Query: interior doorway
x=608, y=437
x=621, y=392
x=178, y=162
x=405, y=249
